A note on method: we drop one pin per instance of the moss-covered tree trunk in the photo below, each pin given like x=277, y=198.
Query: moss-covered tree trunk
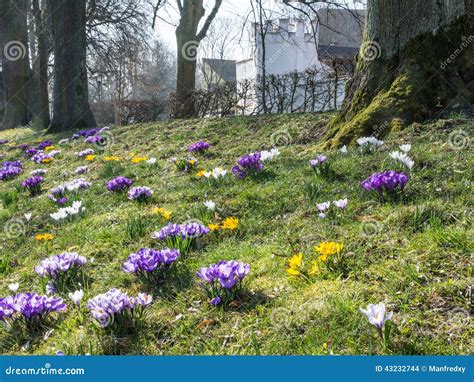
x=70, y=96
x=15, y=62
x=416, y=62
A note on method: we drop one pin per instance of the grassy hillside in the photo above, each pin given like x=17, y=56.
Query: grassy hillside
x=413, y=253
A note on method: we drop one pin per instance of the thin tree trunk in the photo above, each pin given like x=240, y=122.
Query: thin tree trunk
x=15, y=64
x=70, y=99
x=40, y=98
x=416, y=63
x=187, y=41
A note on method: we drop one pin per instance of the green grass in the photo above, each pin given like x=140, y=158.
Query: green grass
x=414, y=254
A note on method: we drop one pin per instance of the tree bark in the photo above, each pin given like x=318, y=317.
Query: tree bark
x=39, y=99
x=71, y=108
x=15, y=63
x=187, y=41
x=416, y=62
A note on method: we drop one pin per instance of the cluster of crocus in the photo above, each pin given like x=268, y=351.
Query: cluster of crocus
x=41, y=157
x=403, y=158
x=163, y=212
x=85, y=133
x=369, y=143
x=323, y=208
x=30, y=152
x=119, y=184
x=95, y=139
x=295, y=266
x=216, y=174
x=44, y=237
x=377, y=316
x=58, y=193
x=81, y=170
x=328, y=248
x=137, y=160
x=198, y=147
x=42, y=145
x=386, y=182
x=269, y=155
x=85, y=153
x=61, y=269
x=185, y=164
x=320, y=165
x=140, y=193
x=181, y=236
x=223, y=281
x=151, y=264
x=30, y=306
x=68, y=212
x=10, y=170
x=38, y=171
x=249, y=164
x=33, y=184
x=116, y=309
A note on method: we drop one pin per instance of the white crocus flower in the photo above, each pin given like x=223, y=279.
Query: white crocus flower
x=210, y=205
x=13, y=287
x=405, y=148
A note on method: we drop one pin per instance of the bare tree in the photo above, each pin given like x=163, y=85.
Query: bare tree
x=15, y=62
x=39, y=99
x=188, y=39
x=71, y=99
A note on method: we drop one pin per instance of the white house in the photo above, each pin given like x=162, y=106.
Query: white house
x=322, y=53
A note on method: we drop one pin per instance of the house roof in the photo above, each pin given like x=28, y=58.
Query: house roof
x=225, y=69
x=334, y=51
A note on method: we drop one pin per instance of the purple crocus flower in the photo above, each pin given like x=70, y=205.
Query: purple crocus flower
x=119, y=184
x=33, y=184
x=198, y=147
x=140, y=193
x=387, y=181
x=3, y=141
x=10, y=170
x=377, y=316
x=149, y=260
x=216, y=301
x=56, y=265
x=248, y=165
x=30, y=305
x=320, y=159
x=116, y=306
x=44, y=144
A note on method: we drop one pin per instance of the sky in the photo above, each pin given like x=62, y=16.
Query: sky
x=235, y=11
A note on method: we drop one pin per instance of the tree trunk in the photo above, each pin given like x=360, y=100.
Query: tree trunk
x=416, y=62
x=39, y=99
x=187, y=41
x=15, y=63
x=187, y=46
x=71, y=108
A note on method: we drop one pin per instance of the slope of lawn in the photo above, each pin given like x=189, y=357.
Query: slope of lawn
x=413, y=253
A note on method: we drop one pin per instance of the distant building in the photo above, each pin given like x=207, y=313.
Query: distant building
x=217, y=72
x=322, y=52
